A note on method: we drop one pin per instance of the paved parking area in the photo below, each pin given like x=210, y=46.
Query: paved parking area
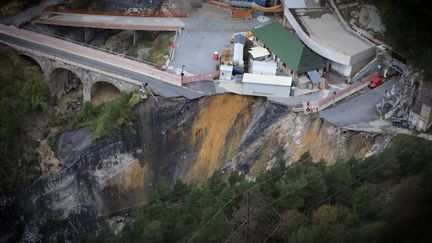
x=207, y=30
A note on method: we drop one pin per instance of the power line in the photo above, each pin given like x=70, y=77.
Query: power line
x=305, y=184
x=235, y=196
x=342, y=189
x=247, y=190
x=238, y=194
x=282, y=196
x=184, y=190
x=211, y=219
x=169, y=194
x=241, y=193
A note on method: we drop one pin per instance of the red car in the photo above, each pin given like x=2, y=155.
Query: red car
x=375, y=82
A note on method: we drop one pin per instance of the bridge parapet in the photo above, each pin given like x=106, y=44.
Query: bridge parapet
x=92, y=54
x=87, y=77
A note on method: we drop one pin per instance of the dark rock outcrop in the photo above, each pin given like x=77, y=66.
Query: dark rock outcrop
x=171, y=139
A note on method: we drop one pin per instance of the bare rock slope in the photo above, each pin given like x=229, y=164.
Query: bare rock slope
x=174, y=139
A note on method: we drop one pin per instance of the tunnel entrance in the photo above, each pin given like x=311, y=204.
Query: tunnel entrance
x=66, y=89
x=102, y=92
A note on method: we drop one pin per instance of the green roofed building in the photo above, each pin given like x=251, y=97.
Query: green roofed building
x=289, y=52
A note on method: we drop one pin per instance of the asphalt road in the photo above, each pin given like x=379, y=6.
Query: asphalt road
x=162, y=88
x=358, y=109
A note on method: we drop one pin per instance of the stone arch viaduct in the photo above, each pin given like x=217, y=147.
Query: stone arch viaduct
x=88, y=78
x=92, y=66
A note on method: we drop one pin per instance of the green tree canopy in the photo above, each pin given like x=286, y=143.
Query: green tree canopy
x=23, y=93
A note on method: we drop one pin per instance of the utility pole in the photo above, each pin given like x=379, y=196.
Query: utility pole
x=182, y=73
x=248, y=215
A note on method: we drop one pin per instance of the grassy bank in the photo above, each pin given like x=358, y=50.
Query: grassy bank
x=103, y=119
x=145, y=41
x=158, y=45
x=160, y=48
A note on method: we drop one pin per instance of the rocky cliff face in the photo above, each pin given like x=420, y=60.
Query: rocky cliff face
x=173, y=139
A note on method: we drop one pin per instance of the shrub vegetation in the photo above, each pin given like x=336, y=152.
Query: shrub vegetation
x=23, y=94
x=105, y=118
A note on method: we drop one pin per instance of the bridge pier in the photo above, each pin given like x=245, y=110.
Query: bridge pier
x=86, y=93
x=89, y=34
x=136, y=35
x=87, y=77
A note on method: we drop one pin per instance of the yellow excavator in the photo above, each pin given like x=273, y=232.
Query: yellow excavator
x=258, y=5
x=274, y=9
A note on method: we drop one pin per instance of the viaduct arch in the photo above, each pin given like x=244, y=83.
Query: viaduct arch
x=103, y=91
x=87, y=78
